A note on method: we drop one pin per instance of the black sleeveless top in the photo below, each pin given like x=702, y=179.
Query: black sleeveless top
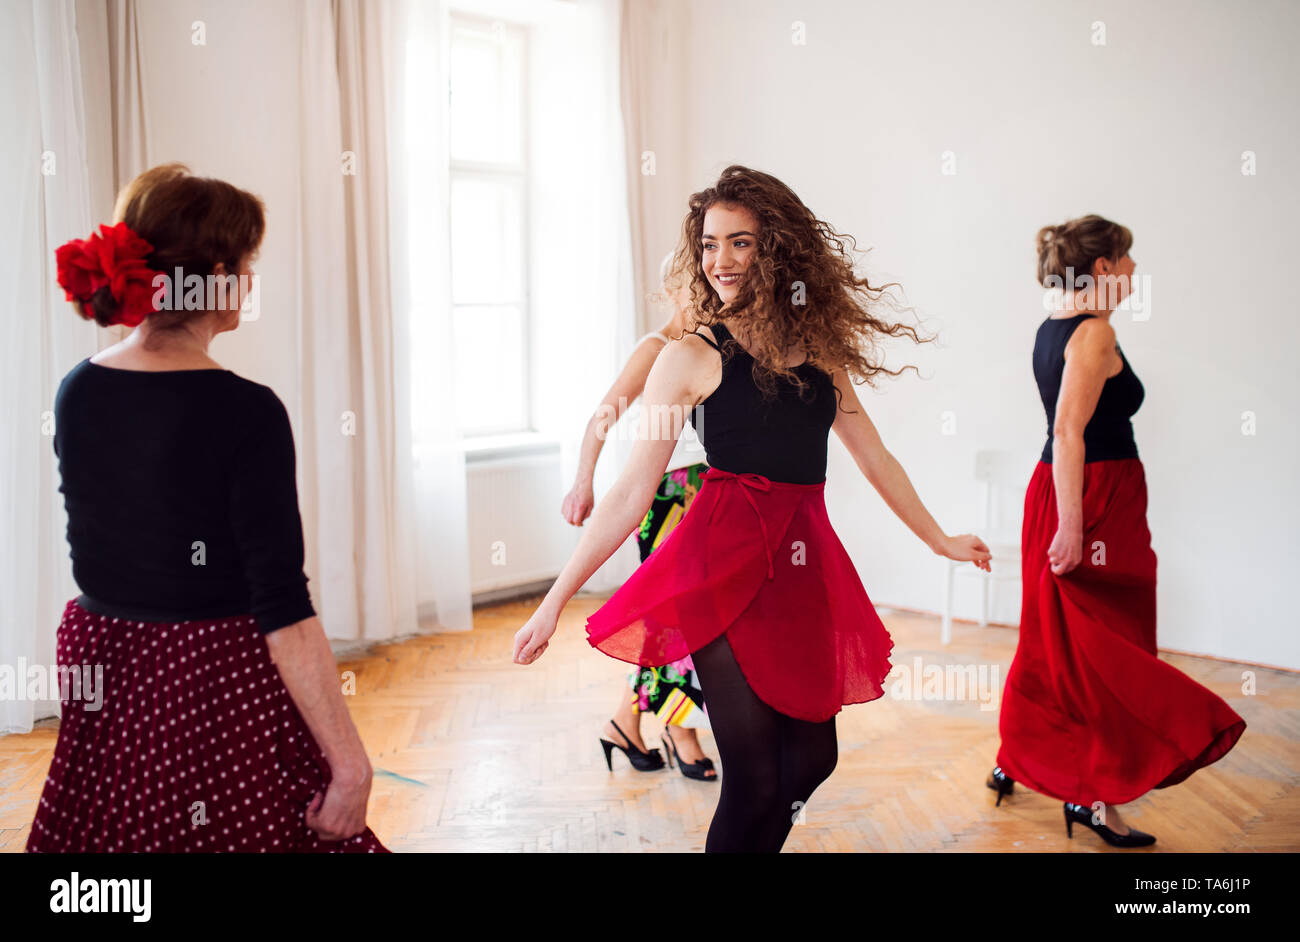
x=783, y=439
x=1109, y=433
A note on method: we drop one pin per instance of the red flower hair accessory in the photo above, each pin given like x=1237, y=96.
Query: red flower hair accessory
x=113, y=258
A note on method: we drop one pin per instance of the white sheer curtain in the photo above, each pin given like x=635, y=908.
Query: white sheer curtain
x=421, y=264
x=654, y=46
x=582, y=271
x=82, y=119
x=599, y=29
x=46, y=192
x=376, y=571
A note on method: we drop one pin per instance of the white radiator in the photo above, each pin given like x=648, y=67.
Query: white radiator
x=516, y=533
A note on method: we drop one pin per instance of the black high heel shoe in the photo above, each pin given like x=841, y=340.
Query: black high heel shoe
x=1078, y=813
x=649, y=761
x=1000, y=782
x=694, y=769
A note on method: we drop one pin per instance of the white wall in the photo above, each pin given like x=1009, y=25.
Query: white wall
x=1148, y=130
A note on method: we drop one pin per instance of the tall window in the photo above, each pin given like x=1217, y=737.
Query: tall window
x=489, y=251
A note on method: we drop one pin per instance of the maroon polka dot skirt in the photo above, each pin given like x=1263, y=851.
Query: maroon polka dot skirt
x=196, y=746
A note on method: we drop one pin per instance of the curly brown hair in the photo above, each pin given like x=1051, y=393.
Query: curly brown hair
x=801, y=288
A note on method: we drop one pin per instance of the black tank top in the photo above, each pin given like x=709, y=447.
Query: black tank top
x=1109, y=433
x=783, y=439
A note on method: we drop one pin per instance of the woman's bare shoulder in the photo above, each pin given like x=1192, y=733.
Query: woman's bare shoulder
x=1094, y=337
x=691, y=347
x=689, y=366
x=1094, y=327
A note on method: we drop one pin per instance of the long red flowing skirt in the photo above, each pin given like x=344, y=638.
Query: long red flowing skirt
x=1089, y=711
x=196, y=746
x=757, y=560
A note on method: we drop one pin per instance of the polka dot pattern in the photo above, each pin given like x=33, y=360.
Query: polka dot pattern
x=198, y=746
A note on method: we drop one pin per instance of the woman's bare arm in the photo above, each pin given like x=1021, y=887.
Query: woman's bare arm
x=671, y=390
x=628, y=385
x=880, y=467
x=576, y=505
x=1088, y=359
x=302, y=655
x=858, y=433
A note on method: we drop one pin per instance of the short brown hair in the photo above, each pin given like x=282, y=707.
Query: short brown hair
x=193, y=223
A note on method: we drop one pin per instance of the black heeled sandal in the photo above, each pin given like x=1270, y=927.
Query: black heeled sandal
x=649, y=761
x=1078, y=813
x=1000, y=782
x=696, y=769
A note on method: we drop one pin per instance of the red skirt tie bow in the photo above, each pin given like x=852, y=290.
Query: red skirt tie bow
x=750, y=481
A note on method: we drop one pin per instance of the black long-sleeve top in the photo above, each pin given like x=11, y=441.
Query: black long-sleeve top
x=181, y=495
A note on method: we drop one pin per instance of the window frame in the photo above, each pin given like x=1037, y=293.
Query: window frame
x=517, y=173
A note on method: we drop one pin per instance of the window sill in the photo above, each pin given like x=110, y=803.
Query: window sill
x=515, y=445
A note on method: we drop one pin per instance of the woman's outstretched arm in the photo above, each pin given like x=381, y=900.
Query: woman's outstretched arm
x=671, y=391
x=577, y=504
x=887, y=476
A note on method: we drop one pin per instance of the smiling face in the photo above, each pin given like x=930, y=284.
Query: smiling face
x=729, y=244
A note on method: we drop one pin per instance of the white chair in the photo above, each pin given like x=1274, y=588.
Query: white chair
x=1005, y=476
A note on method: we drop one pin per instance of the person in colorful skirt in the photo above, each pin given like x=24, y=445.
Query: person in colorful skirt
x=1090, y=714
x=754, y=584
x=222, y=725
x=670, y=691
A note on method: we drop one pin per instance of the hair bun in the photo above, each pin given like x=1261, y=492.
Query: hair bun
x=1070, y=248
x=1047, y=237
x=102, y=307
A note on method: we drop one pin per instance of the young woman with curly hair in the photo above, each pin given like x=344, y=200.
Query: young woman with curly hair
x=754, y=584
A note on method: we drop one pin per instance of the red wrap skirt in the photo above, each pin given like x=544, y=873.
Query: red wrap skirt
x=196, y=745
x=1090, y=712
x=757, y=560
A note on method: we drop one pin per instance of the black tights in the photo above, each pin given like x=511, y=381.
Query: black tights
x=771, y=763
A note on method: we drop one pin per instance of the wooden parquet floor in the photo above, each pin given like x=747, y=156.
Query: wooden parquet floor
x=475, y=753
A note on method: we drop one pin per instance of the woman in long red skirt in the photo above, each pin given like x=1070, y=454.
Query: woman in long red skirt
x=220, y=725
x=754, y=584
x=1090, y=714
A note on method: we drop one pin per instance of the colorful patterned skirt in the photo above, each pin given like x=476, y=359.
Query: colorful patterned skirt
x=194, y=745
x=1089, y=711
x=671, y=691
